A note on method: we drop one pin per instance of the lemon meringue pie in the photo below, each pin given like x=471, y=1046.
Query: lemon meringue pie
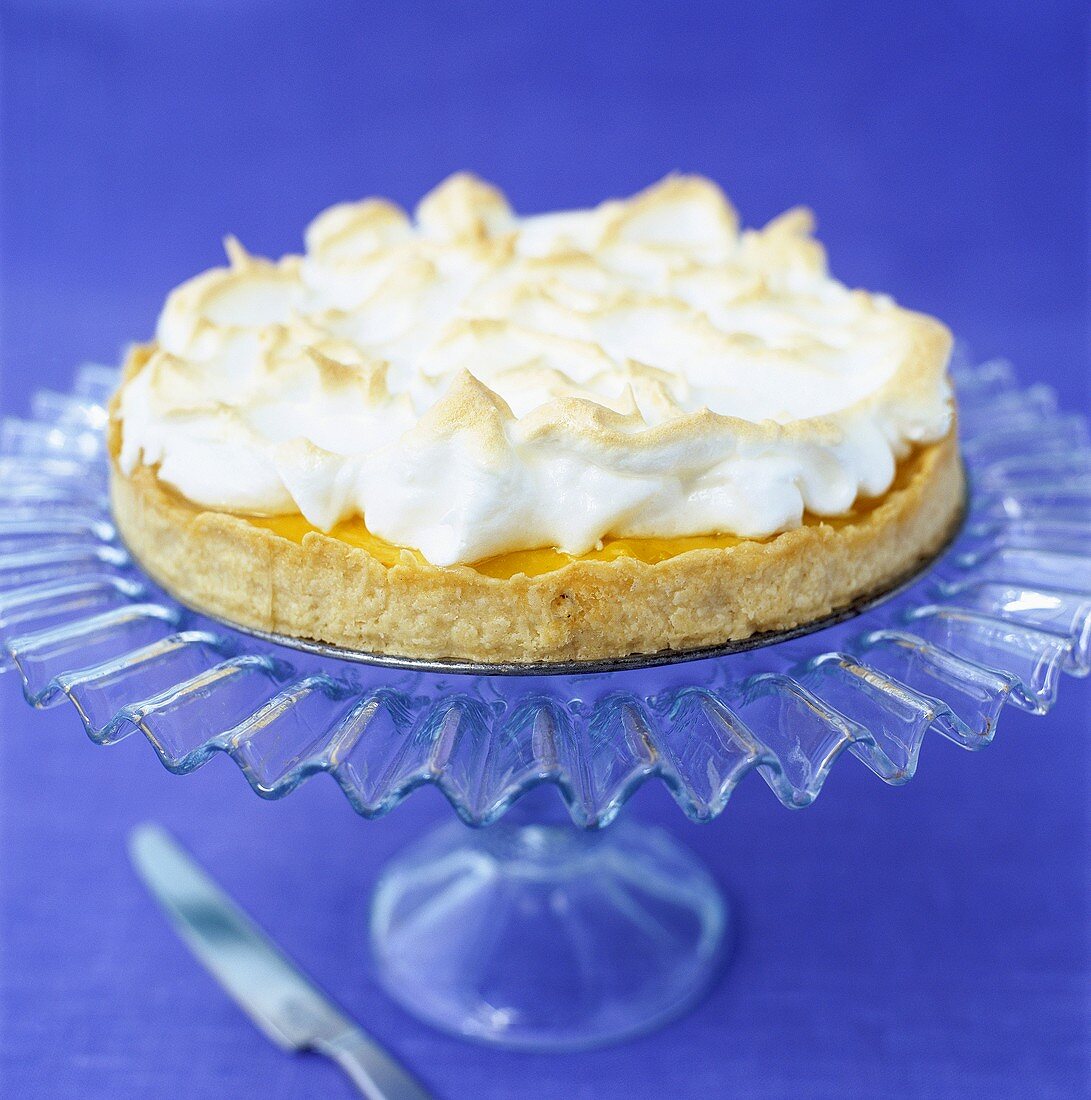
x=475, y=435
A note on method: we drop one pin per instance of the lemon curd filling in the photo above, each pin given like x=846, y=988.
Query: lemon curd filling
x=533, y=563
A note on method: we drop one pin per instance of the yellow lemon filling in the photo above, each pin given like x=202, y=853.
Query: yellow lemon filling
x=502, y=566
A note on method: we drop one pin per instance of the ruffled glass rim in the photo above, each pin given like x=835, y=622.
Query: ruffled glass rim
x=995, y=621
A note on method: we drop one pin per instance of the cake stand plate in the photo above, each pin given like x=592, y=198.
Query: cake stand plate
x=533, y=933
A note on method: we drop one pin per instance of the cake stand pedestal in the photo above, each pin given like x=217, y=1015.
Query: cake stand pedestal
x=536, y=935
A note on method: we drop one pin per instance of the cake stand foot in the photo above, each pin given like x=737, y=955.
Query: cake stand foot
x=542, y=936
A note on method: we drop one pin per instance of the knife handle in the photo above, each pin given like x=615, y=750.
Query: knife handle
x=372, y=1070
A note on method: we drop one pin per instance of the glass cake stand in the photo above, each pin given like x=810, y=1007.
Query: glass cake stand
x=533, y=933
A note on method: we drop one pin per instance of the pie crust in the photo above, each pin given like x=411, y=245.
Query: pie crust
x=327, y=590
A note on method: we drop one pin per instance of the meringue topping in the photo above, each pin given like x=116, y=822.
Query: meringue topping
x=472, y=382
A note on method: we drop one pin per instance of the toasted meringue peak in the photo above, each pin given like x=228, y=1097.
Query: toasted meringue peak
x=238, y=258
x=464, y=208
x=473, y=382
x=352, y=230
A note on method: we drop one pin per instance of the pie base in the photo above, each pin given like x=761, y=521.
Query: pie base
x=327, y=590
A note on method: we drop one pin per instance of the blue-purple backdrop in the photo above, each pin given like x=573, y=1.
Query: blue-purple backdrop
x=927, y=942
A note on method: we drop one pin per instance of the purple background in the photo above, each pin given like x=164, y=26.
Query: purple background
x=930, y=941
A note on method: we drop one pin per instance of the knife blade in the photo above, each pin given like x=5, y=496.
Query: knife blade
x=281, y=1001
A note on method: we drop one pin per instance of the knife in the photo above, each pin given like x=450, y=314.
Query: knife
x=270, y=989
